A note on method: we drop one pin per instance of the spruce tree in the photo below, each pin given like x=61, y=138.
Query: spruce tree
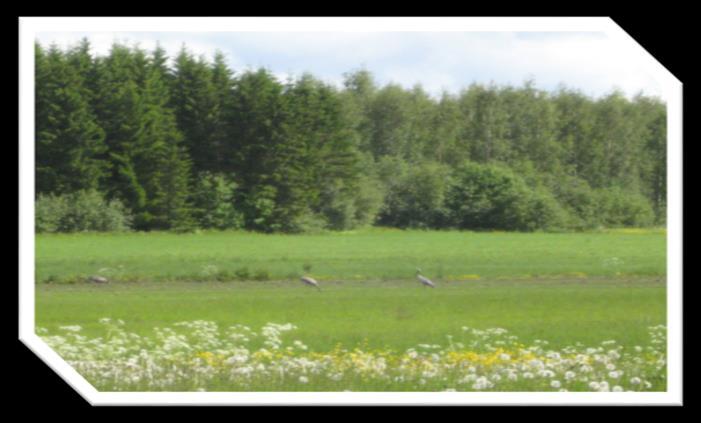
x=69, y=142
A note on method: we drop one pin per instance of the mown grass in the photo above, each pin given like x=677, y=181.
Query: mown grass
x=392, y=314
x=376, y=254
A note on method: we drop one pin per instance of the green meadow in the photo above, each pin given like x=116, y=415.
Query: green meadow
x=370, y=255
x=576, y=287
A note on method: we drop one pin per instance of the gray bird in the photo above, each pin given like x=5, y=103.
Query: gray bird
x=424, y=280
x=311, y=282
x=97, y=279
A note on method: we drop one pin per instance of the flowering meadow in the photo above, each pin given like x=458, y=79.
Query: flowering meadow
x=200, y=355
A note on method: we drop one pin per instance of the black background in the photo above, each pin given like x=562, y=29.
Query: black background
x=667, y=34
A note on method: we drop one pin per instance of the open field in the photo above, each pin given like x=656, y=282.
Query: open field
x=573, y=290
x=396, y=314
x=376, y=254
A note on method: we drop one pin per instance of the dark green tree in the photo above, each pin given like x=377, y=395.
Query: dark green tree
x=69, y=141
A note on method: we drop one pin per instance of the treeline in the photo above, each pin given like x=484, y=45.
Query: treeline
x=128, y=141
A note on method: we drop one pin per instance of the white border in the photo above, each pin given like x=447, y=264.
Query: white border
x=672, y=92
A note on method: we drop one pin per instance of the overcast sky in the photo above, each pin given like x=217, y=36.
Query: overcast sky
x=587, y=61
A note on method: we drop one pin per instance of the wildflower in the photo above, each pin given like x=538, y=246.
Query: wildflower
x=546, y=373
x=303, y=379
x=617, y=389
x=586, y=369
x=569, y=375
x=635, y=381
x=555, y=384
x=482, y=383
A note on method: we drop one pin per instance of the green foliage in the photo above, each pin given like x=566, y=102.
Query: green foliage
x=488, y=197
x=197, y=145
x=416, y=198
x=544, y=212
x=579, y=200
x=623, y=208
x=69, y=140
x=493, y=197
x=259, y=209
x=213, y=200
x=82, y=211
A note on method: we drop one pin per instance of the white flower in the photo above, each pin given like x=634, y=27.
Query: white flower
x=555, y=384
x=635, y=381
x=585, y=368
x=569, y=375
x=303, y=379
x=594, y=386
x=546, y=373
x=617, y=389
x=482, y=383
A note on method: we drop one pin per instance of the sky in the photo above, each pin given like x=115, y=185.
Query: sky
x=440, y=61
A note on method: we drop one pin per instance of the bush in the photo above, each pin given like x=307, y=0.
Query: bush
x=493, y=197
x=81, y=211
x=348, y=205
x=260, y=209
x=617, y=207
x=213, y=201
x=544, y=212
x=488, y=197
x=416, y=197
x=579, y=200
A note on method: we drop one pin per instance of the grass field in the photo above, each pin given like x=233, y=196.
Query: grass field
x=568, y=289
x=365, y=255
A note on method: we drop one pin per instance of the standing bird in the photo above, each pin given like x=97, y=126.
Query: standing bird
x=424, y=280
x=311, y=282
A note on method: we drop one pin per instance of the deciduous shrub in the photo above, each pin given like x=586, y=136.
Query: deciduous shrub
x=493, y=197
x=81, y=211
x=416, y=199
x=617, y=207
